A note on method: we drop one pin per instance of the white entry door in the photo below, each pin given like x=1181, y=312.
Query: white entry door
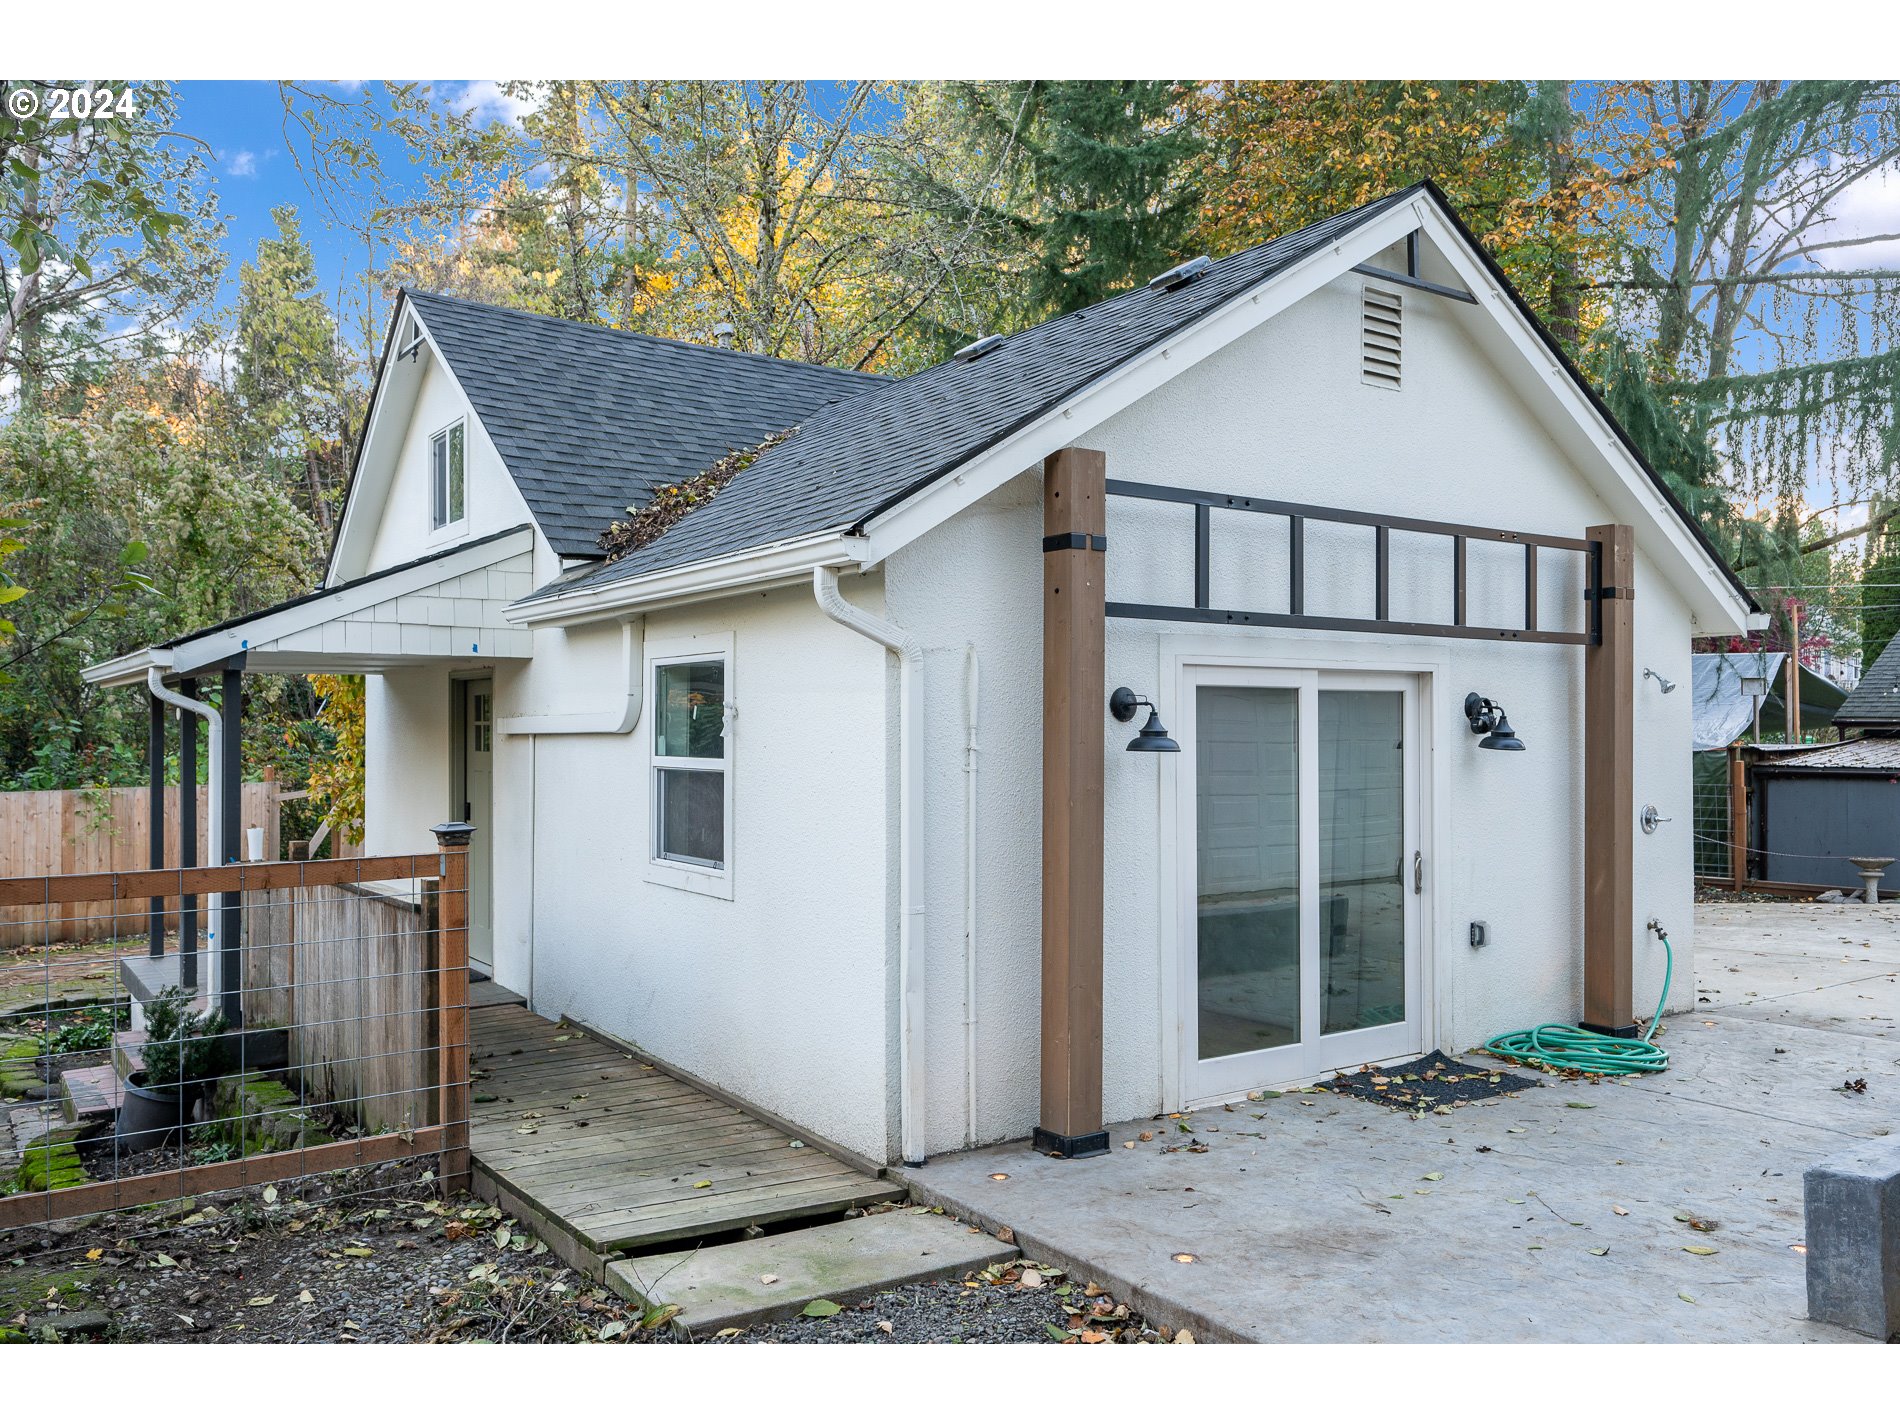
x=478, y=807
x=1303, y=875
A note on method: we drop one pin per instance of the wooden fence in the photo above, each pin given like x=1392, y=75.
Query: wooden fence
x=70, y=833
x=347, y=969
x=440, y=1066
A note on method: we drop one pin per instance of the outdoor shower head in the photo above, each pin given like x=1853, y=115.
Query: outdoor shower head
x=1664, y=683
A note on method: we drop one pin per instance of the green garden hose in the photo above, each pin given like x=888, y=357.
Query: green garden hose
x=1564, y=1046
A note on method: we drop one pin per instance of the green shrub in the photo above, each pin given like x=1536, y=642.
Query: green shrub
x=180, y=1048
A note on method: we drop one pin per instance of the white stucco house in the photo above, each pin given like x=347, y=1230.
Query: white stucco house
x=774, y=798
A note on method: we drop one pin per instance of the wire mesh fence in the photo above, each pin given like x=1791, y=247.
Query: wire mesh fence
x=301, y=1017
x=1713, y=851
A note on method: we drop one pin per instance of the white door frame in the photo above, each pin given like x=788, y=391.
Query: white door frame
x=1185, y=665
x=481, y=853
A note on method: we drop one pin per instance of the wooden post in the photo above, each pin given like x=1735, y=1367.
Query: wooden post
x=1737, y=818
x=1609, y=799
x=452, y=1041
x=1074, y=520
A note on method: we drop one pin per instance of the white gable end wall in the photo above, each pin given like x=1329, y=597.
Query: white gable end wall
x=1283, y=413
x=402, y=532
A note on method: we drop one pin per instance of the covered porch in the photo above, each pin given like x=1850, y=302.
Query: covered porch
x=442, y=611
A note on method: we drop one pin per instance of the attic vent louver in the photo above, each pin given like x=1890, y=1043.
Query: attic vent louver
x=1381, y=335
x=978, y=347
x=1180, y=276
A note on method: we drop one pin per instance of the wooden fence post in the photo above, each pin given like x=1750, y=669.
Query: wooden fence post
x=1737, y=818
x=1609, y=796
x=452, y=1060
x=1073, y=615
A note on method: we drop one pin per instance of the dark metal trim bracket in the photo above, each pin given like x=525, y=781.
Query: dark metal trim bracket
x=1053, y=542
x=1296, y=516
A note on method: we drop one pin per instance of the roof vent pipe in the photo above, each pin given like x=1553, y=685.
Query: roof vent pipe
x=1182, y=275
x=724, y=333
x=979, y=347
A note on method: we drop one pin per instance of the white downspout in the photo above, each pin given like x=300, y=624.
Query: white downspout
x=214, y=823
x=910, y=853
x=618, y=718
x=972, y=704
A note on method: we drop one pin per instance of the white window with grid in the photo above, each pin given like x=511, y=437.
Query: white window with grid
x=690, y=767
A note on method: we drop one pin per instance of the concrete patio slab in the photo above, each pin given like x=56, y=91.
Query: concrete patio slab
x=769, y=1278
x=1662, y=1209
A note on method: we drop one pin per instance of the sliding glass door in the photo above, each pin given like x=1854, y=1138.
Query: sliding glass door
x=1301, y=928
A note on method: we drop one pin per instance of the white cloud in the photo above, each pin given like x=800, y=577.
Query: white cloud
x=1869, y=208
x=484, y=101
x=242, y=164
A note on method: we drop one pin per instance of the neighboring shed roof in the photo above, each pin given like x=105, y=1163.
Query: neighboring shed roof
x=1722, y=712
x=1875, y=701
x=1857, y=754
x=590, y=420
x=853, y=460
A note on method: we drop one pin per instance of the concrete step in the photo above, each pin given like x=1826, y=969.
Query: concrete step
x=144, y=976
x=90, y=1095
x=128, y=1052
x=717, y=1287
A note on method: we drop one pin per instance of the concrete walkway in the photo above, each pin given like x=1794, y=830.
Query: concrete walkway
x=1558, y=1215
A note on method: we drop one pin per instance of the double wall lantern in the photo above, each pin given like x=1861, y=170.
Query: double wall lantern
x=1153, y=737
x=1488, y=720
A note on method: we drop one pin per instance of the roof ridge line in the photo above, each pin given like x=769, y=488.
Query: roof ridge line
x=414, y=294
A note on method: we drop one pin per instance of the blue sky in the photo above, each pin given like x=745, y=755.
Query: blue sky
x=242, y=125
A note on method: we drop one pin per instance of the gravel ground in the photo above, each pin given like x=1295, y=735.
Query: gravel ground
x=375, y=1256
x=1016, y=1303
x=1716, y=895
x=370, y=1256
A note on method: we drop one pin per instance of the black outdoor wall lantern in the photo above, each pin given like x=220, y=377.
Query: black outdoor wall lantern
x=1487, y=718
x=1153, y=737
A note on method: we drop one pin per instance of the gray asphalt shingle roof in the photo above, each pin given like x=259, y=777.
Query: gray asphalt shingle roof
x=1875, y=700
x=590, y=420
x=853, y=459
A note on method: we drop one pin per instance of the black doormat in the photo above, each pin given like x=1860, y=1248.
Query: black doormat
x=1434, y=1081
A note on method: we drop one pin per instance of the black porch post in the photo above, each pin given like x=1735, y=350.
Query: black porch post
x=188, y=835
x=155, y=816
x=230, y=931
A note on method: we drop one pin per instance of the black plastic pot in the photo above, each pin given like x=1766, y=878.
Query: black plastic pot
x=150, y=1118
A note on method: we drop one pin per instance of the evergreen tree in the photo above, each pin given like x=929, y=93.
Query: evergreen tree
x=1880, y=596
x=291, y=389
x=1101, y=200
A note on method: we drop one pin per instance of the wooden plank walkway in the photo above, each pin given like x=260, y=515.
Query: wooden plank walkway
x=606, y=1150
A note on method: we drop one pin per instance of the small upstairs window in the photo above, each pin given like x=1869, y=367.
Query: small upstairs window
x=448, y=485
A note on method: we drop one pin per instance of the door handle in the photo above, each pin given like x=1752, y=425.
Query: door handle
x=1418, y=873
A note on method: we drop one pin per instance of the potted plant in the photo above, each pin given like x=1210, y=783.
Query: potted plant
x=182, y=1053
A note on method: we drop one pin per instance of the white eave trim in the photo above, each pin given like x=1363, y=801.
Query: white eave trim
x=773, y=565
x=128, y=668
x=281, y=622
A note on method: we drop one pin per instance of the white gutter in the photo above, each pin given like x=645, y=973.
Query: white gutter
x=910, y=850
x=778, y=564
x=972, y=705
x=621, y=717
x=215, y=821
